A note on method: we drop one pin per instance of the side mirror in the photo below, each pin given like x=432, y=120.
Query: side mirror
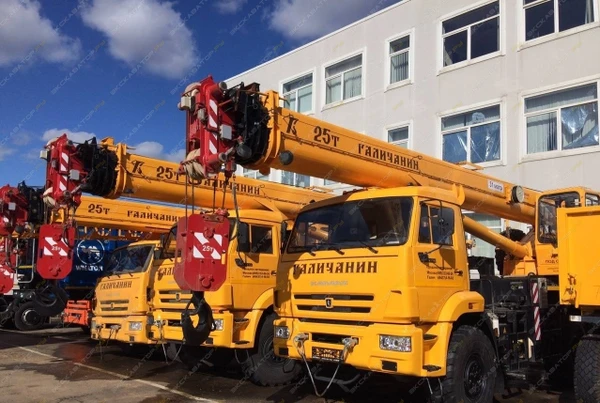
x=243, y=237
x=157, y=253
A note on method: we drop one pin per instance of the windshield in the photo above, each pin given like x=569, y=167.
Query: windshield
x=547, y=213
x=369, y=222
x=132, y=259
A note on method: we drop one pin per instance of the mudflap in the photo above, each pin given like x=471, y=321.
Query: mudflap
x=6, y=310
x=50, y=300
x=197, y=335
x=55, y=251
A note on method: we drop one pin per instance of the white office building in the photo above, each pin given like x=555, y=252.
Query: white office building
x=508, y=85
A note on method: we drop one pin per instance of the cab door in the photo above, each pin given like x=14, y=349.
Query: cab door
x=254, y=265
x=440, y=270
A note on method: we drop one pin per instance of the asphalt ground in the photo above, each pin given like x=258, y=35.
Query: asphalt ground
x=63, y=365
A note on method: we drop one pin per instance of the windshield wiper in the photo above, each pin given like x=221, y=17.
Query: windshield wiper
x=369, y=247
x=335, y=248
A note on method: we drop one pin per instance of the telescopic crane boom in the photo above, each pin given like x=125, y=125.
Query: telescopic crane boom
x=241, y=125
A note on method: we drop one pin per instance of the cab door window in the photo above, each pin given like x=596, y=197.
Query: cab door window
x=436, y=225
x=261, y=239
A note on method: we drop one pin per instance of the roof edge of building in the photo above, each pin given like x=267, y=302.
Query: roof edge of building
x=322, y=38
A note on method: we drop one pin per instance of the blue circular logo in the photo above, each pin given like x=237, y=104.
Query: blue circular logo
x=90, y=252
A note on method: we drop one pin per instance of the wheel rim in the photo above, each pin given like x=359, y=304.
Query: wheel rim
x=269, y=352
x=474, y=379
x=31, y=317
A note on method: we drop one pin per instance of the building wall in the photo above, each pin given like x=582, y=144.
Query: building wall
x=517, y=70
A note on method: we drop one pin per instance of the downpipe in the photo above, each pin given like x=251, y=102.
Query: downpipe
x=197, y=335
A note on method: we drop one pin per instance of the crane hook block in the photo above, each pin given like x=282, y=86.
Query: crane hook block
x=55, y=258
x=202, y=239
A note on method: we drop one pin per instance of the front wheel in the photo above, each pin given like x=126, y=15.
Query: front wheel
x=470, y=375
x=587, y=370
x=27, y=318
x=263, y=367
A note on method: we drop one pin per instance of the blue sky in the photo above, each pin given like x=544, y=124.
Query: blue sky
x=109, y=67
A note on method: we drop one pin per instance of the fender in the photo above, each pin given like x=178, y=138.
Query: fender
x=460, y=303
x=262, y=303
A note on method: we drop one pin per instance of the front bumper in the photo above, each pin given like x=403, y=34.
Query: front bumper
x=365, y=355
x=117, y=329
x=167, y=327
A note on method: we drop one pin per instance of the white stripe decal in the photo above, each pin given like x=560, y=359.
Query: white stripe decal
x=213, y=106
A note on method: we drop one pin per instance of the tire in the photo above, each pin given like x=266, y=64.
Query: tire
x=198, y=358
x=263, y=367
x=27, y=318
x=587, y=370
x=470, y=374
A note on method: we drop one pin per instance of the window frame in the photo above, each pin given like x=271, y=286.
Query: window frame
x=522, y=26
x=254, y=251
x=313, y=100
x=326, y=65
x=406, y=124
x=503, y=123
x=411, y=60
x=524, y=157
x=440, y=36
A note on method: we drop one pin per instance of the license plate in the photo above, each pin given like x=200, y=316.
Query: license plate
x=326, y=354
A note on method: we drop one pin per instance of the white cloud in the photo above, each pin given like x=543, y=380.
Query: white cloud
x=5, y=152
x=156, y=150
x=310, y=19
x=145, y=33
x=230, y=6
x=21, y=139
x=77, y=137
x=26, y=34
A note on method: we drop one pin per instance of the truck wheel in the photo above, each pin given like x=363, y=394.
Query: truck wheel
x=470, y=373
x=587, y=370
x=26, y=317
x=198, y=358
x=263, y=367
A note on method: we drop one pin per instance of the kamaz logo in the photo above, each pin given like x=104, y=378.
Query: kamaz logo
x=328, y=302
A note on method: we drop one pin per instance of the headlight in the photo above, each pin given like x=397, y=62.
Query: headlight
x=135, y=326
x=282, y=332
x=218, y=324
x=395, y=343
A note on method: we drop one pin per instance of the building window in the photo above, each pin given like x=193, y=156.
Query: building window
x=472, y=136
x=343, y=80
x=294, y=179
x=398, y=136
x=299, y=94
x=251, y=173
x=482, y=248
x=545, y=17
x=562, y=120
x=472, y=34
x=399, y=59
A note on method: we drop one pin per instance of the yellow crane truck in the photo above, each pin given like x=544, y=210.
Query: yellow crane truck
x=142, y=303
x=387, y=289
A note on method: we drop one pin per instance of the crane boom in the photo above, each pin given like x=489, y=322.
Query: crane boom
x=252, y=129
x=108, y=170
